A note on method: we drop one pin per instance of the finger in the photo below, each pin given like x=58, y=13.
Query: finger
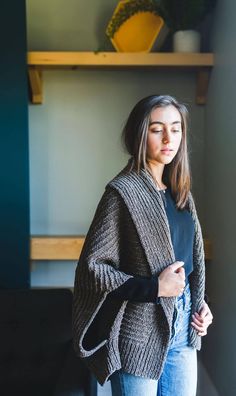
x=198, y=328
x=205, y=310
x=202, y=321
x=197, y=322
x=181, y=272
x=201, y=334
x=207, y=318
x=198, y=317
x=176, y=265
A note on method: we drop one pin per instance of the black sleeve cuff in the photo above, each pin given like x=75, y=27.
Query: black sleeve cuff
x=138, y=289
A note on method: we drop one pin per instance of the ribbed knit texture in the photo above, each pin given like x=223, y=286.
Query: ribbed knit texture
x=130, y=236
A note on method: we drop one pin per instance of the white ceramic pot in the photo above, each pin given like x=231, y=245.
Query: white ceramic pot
x=186, y=41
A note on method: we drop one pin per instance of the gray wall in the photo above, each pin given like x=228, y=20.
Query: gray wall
x=75, y=135
x=220, y=197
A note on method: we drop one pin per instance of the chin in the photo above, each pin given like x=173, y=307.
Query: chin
x=166, y=161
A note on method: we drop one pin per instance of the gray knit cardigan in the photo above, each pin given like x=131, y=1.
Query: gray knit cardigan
x=129, y=236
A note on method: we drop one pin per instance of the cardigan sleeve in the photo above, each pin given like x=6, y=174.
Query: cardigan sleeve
x=97, y=273
x=197, y=277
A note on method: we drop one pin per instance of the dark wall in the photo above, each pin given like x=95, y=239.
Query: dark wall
x=14, y=157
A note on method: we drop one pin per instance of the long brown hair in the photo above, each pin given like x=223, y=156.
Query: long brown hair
x=176, y=174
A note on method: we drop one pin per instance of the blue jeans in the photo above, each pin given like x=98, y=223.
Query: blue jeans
x=179, y=376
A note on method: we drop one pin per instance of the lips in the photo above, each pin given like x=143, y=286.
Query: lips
x=166, y=151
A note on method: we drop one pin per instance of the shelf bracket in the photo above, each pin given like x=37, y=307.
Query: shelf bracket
x=203, y=77
x=36, y=85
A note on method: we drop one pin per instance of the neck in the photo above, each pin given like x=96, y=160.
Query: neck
x=156, y=170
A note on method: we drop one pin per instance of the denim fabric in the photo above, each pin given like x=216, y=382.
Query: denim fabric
x=179, y=376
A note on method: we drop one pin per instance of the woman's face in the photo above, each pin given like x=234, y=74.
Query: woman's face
x=164, y=135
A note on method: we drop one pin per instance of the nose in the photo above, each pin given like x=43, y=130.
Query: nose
x=166, y=136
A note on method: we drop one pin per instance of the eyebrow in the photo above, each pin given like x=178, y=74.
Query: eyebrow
x=162, y=123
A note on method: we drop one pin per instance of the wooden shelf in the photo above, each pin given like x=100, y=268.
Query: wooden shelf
x=121, y=59
x=56, y=248
x=69, y=248
x=38, y=61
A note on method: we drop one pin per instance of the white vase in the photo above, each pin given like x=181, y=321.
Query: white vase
x=186, y=41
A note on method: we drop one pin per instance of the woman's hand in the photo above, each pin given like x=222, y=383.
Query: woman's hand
x=202, y=320
x=172, y=280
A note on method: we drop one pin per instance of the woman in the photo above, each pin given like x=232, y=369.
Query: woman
x=139, y=311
